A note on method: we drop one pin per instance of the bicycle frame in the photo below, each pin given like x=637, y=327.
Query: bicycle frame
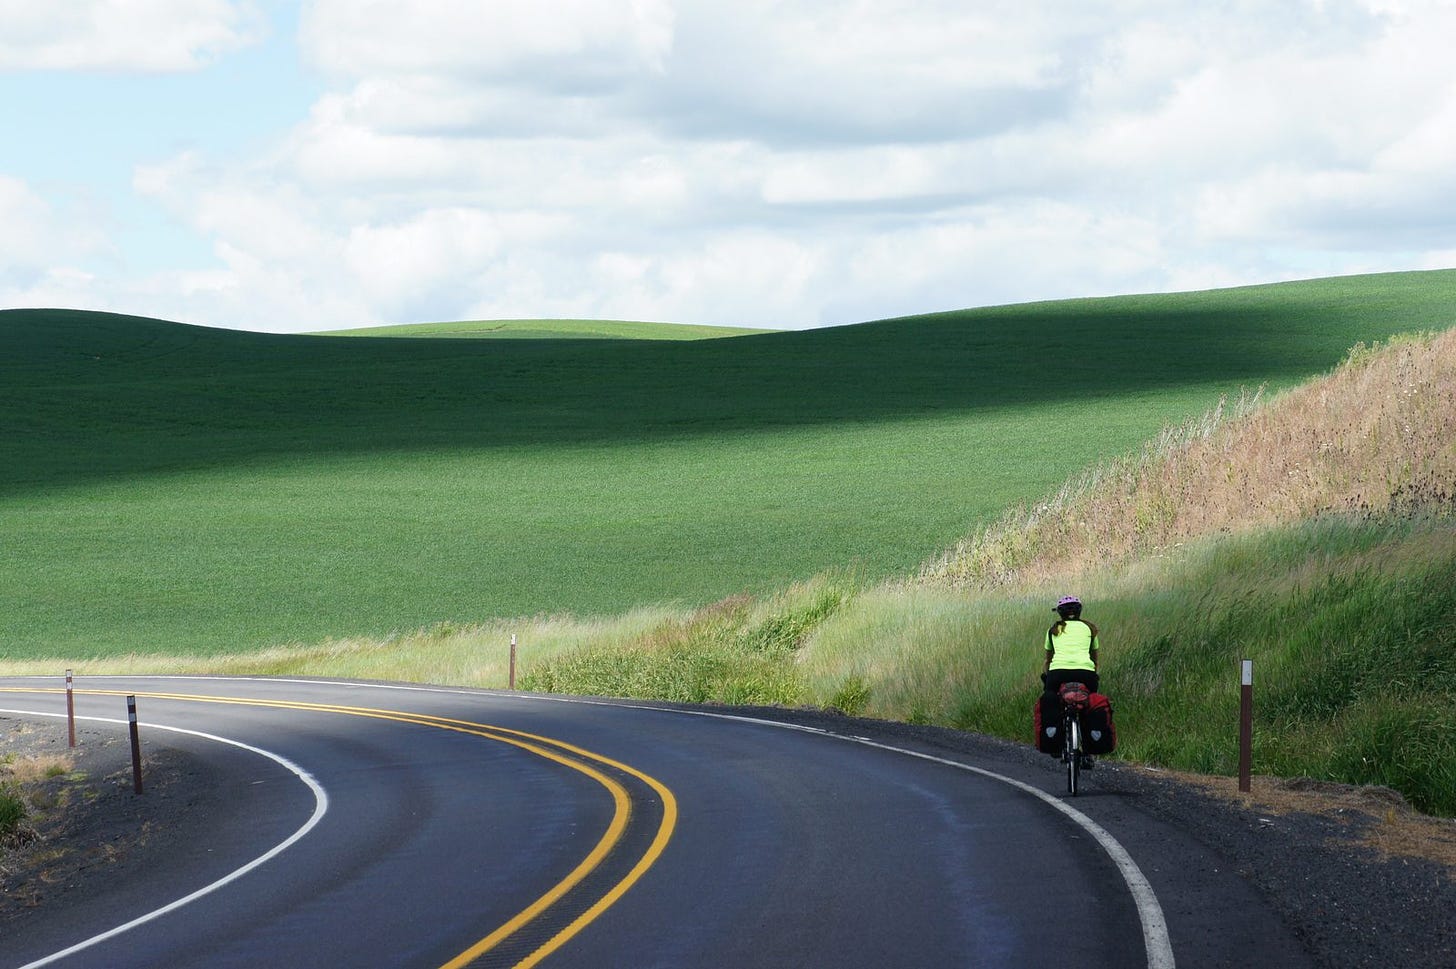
x=1074, y=701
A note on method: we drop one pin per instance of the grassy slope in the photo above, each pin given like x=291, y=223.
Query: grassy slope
x=170, y=488
x=1316, y=536
x=1346, y=621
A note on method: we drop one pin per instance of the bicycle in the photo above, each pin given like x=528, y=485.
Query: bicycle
x=1075, y=698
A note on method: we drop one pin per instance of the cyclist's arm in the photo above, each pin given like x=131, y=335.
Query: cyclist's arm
x=1093, y=652
x=1046, y=666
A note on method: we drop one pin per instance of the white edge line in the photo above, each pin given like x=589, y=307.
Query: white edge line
x=1156, y=943
x=1158, y=946
x=321, y=806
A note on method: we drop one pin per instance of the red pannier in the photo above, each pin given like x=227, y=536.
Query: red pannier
x=1099, y=734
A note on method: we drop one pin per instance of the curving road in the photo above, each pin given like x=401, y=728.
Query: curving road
x=377, y=825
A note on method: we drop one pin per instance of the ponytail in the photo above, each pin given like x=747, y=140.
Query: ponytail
x=1060, y=626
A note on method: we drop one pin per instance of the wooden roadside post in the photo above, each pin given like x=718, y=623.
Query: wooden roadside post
x=513, y=662
x=1246, y=723
x=136, y=745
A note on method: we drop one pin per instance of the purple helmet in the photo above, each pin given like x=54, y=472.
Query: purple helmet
x=1066, y=601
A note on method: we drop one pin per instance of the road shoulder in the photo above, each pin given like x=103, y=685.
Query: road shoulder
x=1355, y=875
x=87, y=828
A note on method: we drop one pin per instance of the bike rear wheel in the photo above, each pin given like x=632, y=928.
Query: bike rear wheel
x=1072, y=737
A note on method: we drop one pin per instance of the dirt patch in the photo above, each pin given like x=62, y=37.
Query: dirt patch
x=84, y=818
x=1372, y=816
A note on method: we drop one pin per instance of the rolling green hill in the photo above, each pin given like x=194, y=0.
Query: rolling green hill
x=168, y=488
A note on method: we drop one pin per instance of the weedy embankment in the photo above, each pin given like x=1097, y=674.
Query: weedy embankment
x=1315, y=535
x=23, y=795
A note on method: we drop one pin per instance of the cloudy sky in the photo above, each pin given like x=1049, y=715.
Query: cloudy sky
x=782, y=163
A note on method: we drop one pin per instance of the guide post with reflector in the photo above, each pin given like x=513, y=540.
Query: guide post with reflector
x=1246, y=724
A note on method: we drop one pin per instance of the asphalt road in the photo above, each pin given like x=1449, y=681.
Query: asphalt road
x=374, y=825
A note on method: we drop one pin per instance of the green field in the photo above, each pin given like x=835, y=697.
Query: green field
x=175, y=489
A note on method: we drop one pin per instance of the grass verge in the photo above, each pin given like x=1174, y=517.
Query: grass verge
x=1343, y=617
x=22, y=794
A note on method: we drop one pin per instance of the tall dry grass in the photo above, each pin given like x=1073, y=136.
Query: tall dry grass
x=459, y=654
x=1378, y=434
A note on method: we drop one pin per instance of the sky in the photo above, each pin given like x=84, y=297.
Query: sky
x=291, y=167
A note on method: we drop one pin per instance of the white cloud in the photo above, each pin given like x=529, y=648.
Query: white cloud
x=43, y=248
x=21, y=206
x=566, y=44
x=1028, y=251
x=808, y=71
x=798, y=162
x=274, y=223
x=402, y=267
x=122, y=35
x=733, y=277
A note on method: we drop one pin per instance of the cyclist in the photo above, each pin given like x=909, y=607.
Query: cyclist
x=1071, y=657
x=1071, y=648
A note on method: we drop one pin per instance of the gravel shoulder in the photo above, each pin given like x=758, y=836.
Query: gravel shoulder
x=1357, y=876
x=87, y=826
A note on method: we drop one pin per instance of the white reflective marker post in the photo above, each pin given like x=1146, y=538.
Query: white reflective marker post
x=513, y=662
x=70, y=710
x=1246, y=724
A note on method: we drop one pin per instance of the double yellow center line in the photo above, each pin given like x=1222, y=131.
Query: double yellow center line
x=560, y=752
